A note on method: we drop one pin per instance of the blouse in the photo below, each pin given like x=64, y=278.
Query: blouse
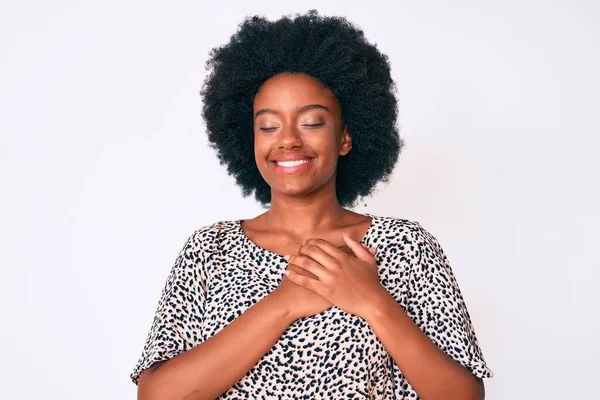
x=220, y=273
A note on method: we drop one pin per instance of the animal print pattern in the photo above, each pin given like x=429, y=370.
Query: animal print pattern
x=220, y=273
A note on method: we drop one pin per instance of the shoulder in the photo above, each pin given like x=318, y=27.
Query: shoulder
x=210, y=230
x=396, y=231
x=394, y=228
x=206, y=236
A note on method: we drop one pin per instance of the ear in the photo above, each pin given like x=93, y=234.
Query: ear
x=346, y=141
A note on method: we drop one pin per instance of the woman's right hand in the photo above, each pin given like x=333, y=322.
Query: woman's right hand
x=298, y=300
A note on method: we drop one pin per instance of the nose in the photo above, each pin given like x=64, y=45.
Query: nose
x=290, y=137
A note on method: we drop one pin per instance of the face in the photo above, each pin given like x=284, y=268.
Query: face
x=298, y=135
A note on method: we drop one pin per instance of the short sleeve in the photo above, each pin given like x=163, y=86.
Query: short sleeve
x=436, y=305
x=177, y=322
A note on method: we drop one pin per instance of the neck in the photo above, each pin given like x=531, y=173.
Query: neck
x=307, y=214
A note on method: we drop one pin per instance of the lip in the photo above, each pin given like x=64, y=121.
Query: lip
x=291, y=170
x=292, y=157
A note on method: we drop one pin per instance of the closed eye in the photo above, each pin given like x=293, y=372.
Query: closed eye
x=307, y=125
x=315, y=125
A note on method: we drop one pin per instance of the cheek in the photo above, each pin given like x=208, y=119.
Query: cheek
x=261, y=152
x=327, y=146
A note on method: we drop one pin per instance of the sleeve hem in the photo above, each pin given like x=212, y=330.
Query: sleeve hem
x=479, y=369
x=149, y=360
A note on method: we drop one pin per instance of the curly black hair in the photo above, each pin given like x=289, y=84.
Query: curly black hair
x=336, y=53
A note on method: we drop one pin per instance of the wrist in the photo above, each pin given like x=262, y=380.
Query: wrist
x=377, y=305
x=281, y=307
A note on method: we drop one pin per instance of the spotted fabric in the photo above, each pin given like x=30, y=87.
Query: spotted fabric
x=220, y=273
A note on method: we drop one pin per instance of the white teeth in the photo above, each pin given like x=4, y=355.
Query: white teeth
x=292, y=163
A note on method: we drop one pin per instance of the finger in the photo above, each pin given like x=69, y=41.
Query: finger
x=372, y=250
x=295, y=268
x=327, y=247
x=360, y=251
x=302, y=280
x=321, y=252
x=307, y=263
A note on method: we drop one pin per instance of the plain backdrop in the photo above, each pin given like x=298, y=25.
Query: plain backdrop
x=105, y=172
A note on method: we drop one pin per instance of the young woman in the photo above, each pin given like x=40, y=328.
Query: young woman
x=302, y=112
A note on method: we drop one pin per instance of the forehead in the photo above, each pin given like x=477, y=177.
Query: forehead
x=291, y=91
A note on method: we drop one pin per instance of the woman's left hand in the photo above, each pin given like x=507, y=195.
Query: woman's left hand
x=349, y=282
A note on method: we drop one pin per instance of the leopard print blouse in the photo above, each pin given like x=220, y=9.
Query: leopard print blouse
x=220, y=273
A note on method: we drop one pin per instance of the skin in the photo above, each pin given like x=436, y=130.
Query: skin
x=303, y=204
x=327, y=264
x=304, y=209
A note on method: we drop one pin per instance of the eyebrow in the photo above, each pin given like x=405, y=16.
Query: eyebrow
x=307, y=107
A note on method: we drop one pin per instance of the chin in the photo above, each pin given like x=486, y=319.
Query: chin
x=294, y=190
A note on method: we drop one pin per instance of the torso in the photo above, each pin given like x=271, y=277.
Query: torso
x=220, y=274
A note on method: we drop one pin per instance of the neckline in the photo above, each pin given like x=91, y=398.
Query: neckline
x=255, y=246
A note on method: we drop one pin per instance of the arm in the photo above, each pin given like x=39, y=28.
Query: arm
x=432, y=373
x=212, y=367
x=431, y=339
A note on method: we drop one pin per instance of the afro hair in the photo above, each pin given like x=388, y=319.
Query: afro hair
x=336, y=53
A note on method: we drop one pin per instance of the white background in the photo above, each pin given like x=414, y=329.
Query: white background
x=105, y=171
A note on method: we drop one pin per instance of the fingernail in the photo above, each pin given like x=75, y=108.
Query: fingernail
x=287, y=257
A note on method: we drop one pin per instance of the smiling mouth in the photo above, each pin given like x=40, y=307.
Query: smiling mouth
x=293, y=166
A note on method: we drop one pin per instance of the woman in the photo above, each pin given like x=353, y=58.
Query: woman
x=302, y=112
